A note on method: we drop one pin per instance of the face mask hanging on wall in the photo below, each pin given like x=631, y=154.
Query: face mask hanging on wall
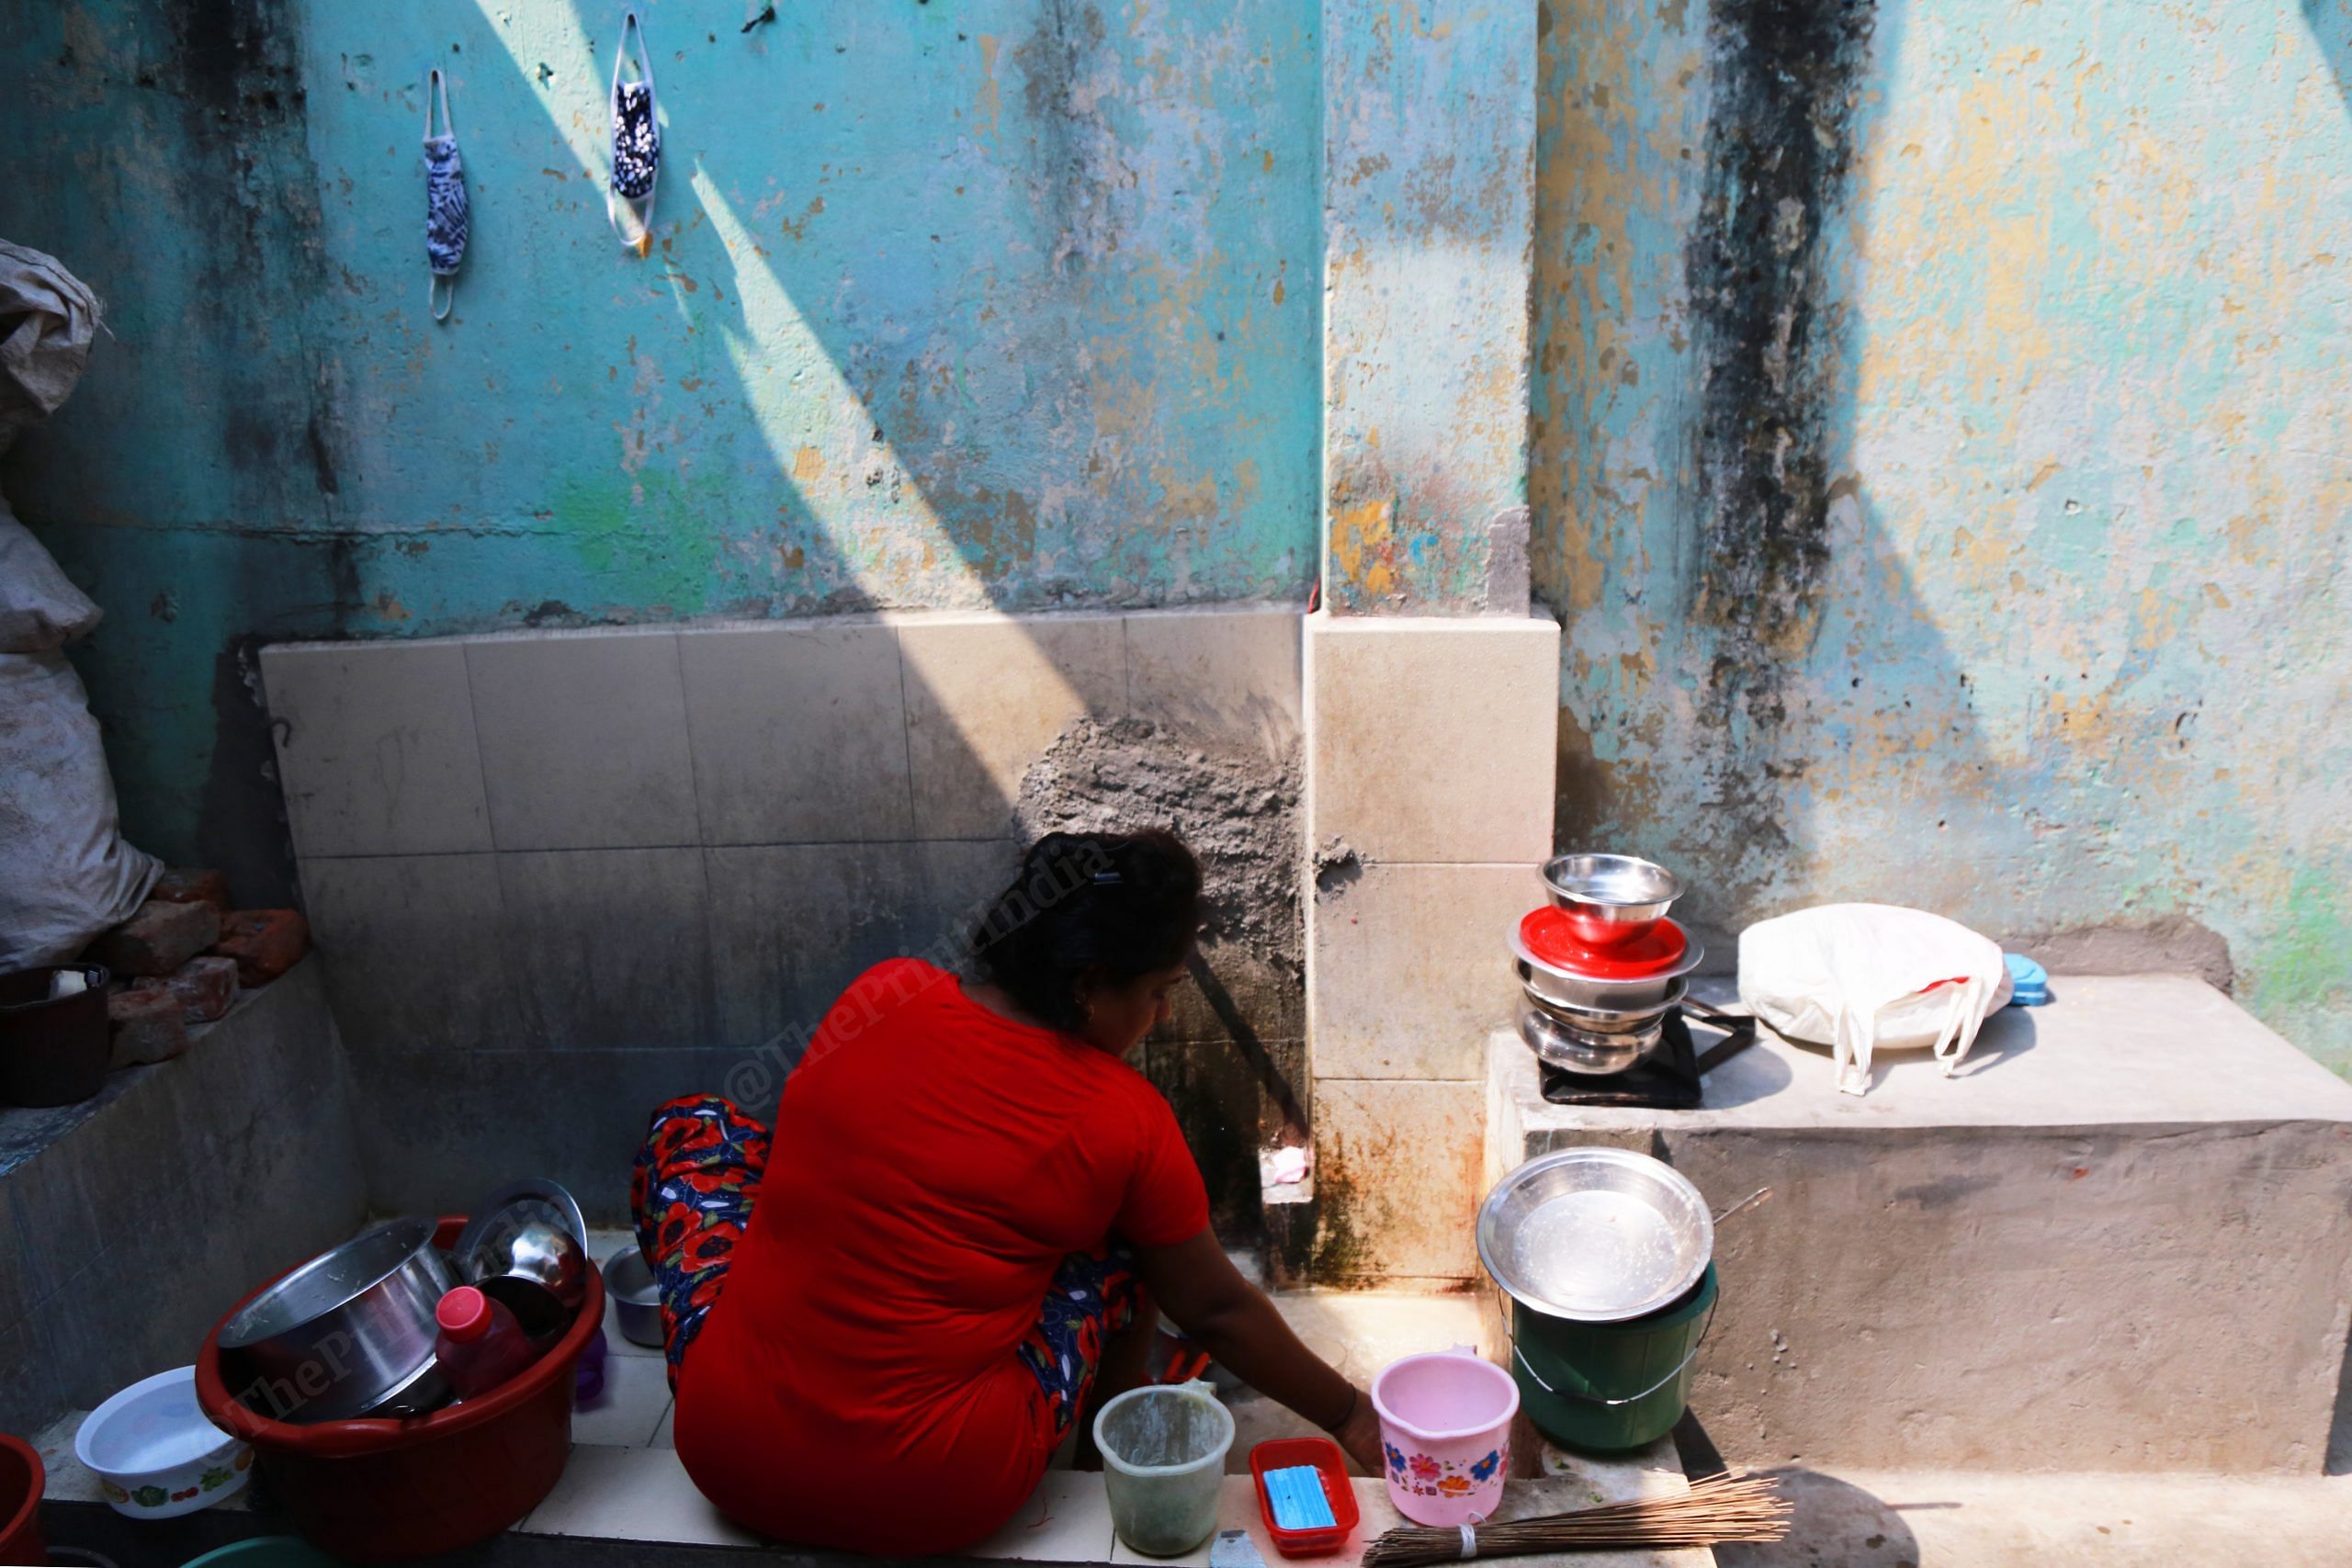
x=445, y=203
x=636, y=143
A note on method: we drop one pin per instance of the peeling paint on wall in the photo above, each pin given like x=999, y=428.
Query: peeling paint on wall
x=1425, y=284
x=1013, y=332
x=2053, y=638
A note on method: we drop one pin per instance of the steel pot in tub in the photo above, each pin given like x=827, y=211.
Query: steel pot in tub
x=342, y=1334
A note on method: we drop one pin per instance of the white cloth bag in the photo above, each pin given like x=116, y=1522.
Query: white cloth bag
x=1866, y=976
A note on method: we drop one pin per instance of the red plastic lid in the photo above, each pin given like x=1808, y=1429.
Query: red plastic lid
x=1548, y=936
x=464, y=1314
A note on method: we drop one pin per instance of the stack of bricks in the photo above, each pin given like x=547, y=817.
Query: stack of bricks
x=182, y=958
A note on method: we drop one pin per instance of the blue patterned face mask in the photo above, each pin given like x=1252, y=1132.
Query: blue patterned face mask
x=636, y=143
x=444, y=202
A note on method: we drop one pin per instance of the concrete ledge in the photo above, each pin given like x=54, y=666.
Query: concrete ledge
x=2121, y=1239
x=129, y=1224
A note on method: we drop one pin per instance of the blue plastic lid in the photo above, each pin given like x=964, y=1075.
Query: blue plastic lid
x=2028, y=981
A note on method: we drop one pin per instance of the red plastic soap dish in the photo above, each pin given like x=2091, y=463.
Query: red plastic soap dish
x=1331, y=1468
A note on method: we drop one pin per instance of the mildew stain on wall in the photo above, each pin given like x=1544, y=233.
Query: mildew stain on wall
x=1934, y=429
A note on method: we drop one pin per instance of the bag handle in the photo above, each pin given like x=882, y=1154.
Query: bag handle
x=1520, y=1357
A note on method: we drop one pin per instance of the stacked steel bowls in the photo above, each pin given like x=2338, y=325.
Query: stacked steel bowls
x=1600, y=965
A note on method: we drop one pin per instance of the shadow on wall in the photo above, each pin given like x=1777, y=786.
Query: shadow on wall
x=937, y=421
x=1026, y=347
x=1025, y=351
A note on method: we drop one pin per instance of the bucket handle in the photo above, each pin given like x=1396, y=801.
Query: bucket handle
x=1517, y=1355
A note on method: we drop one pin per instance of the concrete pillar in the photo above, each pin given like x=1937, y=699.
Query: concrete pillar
x=1431, y=692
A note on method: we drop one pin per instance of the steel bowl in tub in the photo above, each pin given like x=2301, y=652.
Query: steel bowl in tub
x=155, y=1453
x=379, y=1491
x=347, y=1332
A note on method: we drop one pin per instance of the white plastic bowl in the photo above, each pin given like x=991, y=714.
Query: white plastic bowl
x=155, y=1455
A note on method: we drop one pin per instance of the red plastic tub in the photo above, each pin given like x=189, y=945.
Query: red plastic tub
x=379, y=1491
x=22, y=1480
x=1330, y=1469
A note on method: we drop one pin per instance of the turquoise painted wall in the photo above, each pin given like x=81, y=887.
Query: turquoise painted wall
x=1952, y=509
x=998, y=303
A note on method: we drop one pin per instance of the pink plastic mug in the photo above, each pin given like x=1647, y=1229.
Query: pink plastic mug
x=1445, y=1435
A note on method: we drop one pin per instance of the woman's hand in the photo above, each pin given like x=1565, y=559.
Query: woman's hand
x=1359, y=1434
x=1196, y=1286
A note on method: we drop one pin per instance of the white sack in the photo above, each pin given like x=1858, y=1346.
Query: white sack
x=41, y=610
x=51, y=316
x=66, y=872
x=1862, y=977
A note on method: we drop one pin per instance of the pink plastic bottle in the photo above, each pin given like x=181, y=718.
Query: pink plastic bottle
x=481, y=1345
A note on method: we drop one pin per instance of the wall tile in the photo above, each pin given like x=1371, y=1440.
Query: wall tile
x=416, y=950
x=960, y=877
x=583, y=740
x=1229, y=672
x=439, y=1129
x=1412, y=968
x=1432, y=740
x=799, y=732
x=987, y=695
x=791, y=925
x=609, y=947
x=376, y=748
x=1397, y=1178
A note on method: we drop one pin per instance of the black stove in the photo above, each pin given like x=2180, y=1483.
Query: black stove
x=1669, y=1078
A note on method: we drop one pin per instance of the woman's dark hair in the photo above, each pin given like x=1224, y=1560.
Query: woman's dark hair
x=1095, y=908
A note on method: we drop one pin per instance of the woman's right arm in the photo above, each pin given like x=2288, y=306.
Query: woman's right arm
x=1196, y=1285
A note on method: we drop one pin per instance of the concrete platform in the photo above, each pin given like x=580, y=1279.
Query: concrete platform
x=2119, y=1240
x=624, y=1499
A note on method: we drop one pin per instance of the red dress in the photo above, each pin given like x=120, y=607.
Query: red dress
x=857, y=1383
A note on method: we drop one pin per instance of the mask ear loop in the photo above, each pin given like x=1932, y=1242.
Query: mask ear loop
x=615, y=202
x=441, y=288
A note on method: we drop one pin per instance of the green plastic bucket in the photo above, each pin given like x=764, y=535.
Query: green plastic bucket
x=1607, y=1387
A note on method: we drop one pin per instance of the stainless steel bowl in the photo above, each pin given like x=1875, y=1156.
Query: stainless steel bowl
x=342, y=1334
x=1561, y=996
x=1596, y=1235
x=1574, y=1048
x=1562, y=988
x=532, y=1229
x=1610, y=899
x=630, y=1281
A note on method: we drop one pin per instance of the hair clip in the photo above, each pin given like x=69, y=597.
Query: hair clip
x=1108, y=879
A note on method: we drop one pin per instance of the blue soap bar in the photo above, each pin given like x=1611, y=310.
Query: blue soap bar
x=1298, y=1499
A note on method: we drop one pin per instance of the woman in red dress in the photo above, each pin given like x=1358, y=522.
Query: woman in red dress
x=885, y=1315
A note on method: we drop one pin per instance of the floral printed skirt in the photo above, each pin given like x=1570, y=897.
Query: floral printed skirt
x=696, y=1180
